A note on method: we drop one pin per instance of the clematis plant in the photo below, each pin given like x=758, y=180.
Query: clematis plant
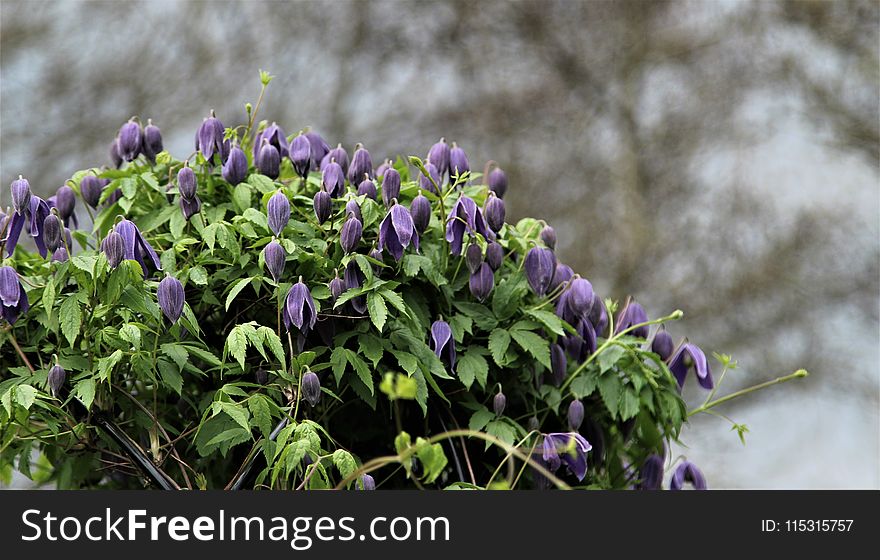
x=241, y=317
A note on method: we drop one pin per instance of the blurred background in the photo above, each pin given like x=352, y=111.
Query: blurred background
x=717, y=157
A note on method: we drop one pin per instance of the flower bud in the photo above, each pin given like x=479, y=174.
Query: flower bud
x=56, y=378
x=580, y=296
x=398, y=231
x=631, y=315
x=301, y=155
x=323, y=206
x=562, y=275
x=433, y=173
x=275, y=258
x=91, y=188
x=171, y=297
x=65, y=202
x=361, y=164
x=340, y=156
x=575, y=415
x=60, y=255
x=210, y=141
x=21, y=194
x=499, y=403
x=439, y=156
x=190, y=207
x=662, y=344
x=420, y=210
x=533, y=425
x=318, y=148
x=651, y=473
x=390, y=186
x=367, y=187
x=152, y=140
x=687, y=472
x=540, y=266
x=352, y=208
x=598, y=315
x=269, y=160
x=130, y=139
x=113, y=247
x=13, y=297
x=474, y=257
x=383, y=169
x=186, y=182
x=278, y=212
x=333, y=178
x=481, y=282
x=548, y=236
x=115, y=156
x=458, y=163
x=236, y=167
x=52, y=232
x=311, y=388
x=261, y=376
x=275, y=136
x=494, y=212
x=354, y=278
x=299, y=309
x=497, y=182
x=558, y=364
x=368, y=482
x=351, y=234
x=494, y=255
x=337, y=287
x=442, y=342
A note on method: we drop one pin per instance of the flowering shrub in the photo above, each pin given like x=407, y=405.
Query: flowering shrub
x=271, y=313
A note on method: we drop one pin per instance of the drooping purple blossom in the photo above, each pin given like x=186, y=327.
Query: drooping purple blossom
x=60, y=255
x=662, y=345
x=687, y=472
x=323, y=206
x=459, y=165
x=30, y=220
x=299, y=309
x=442, y=342
x=473, y=256
x=91, y=188
x=186, y=182
x=52, y=227
x=337, y=287
x=275, y=257
x=397, y=232
x=352, y=208
x=274, y=135
x=575, y=415
x=210, y=141
x=65, y=202
x=318, y=148
x=495, y=212
x=55, y=379
x=631, y=315
x=113, y=247
x=558, y=364
x=598, y=315
x=579, y=296
x=301, y=155
x=311, y=388
x=466, y=217
x=383, y=169
x=425, y=180
x=690, y=355
x=13, y=298
x=563, y=274
x=548, y=236
x=482, y=282
x=568, y=448
x=420, y=210
x=130, y=140
x=136, y=247
x=190, y=207
x=115, y=156
x=651, y=473
x=361, y=164
x=236, y=167
x=21, y=195
x=171, y=298
x=333, y=178
x=499, y=403
x=367, y=187
x=439, y=156
x=540, y=266
x=278, y=212
x=351, y=233
x=390, y=186
x=339, y=155
x=367, y=482
x=268, y=160
x=354, y=278
x=152, y=140
x=494, y=255
x=497, y=181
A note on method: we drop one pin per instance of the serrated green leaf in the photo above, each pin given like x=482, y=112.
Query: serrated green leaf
x=629, y=404
x=344, y=462
x=361, y=368
x=107, y=363
x=407, y=361
x=274, y=344
x=236, y=344
x=377, y=309
x=480, y=418
x=236, y=289
x=472, y=366
x=371, y=347
x=259, y=408
x=535, y=345
x=610, y=356
x=170, y=374
x=70, y=317
x=499, y=341
x=84, y=390
x=549, y=320
x=176, y=352
x=199, y=276
x=609, y=389
x=131, y=334
x=85, y=263
x=25, y=395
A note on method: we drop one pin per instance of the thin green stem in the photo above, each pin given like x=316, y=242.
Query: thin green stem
x=735, y=395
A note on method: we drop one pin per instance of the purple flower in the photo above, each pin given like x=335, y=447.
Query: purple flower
x=466, y=217
x=494, y=255
x=301, y=155
x=275, y=257
x=65, y=202
x=368, y=482
x=397, y=231
x=136, y=247
x=31, y=220
x=186, y=182
x=497, y=182
x=299, y=309
x=562, y=275
x=354, y=278
x=209, y=139
x=439, y=156
x=91, y=188
x=420, y=210
x=575, y=415
x=688, y=355
x=337, y=287
x=352, y=230
x=352, y=208
x=424, y=180
x=269, y=160
x=367, y=187
x=568, y=448
x=13, y=298
x=580, y=296
x=631, y=315
x=318, y=148
x=383, y=169
x=687, y=472
x=540, y=266
x=442, y=342
x=60, y=255
x=473, y=256
x=311, y=388
x=278, y=212
x=481, y=282
x=361, y=164
x=339, y=155
x=598, y=315
x=458, y=163
x=21, y=195
x=115, y=156
x=499, y=403
x=130, y=140
x=495, y=212
x=190, y=207
x=333, y=178
x=548, y=236
x=323, y=206
x=171, y=297
x=390, y=186
x=52, y=227
x=651, y=473
x=56, y=378
x=274, y=135
x=558, y=364
x=152, y=140
x=113, y=247
x=662, y=344
x=236, y=167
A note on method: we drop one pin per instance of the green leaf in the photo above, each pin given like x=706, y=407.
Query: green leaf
x=25, y=395
x=407, y=361
x=472, y=365
x=236, y=344
x=481, y=315
x=107, y=363
x=344, y=462
x=199, y=276
x=629, y=404
x=170, y=374
x=176, y=225
x=338, y=361
x=371, y=347
x=499, y=340
x=236, y=289
x=549, y=320
x=535, y=345
x=262, y=183
x=361, y=368
x=584, y=385
x=508, y=296
x=609, y=388
x=85, y=263
x=501, y=430
x=176, y=352
x=70, y=317
x=259, y=408
x=49, y=299
x=377, y=310
x=85, y=392
x=131, y=334
x=480, y=418
x=610, y=356
x=274, y=344
x=236, y=412
x=395, y=300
